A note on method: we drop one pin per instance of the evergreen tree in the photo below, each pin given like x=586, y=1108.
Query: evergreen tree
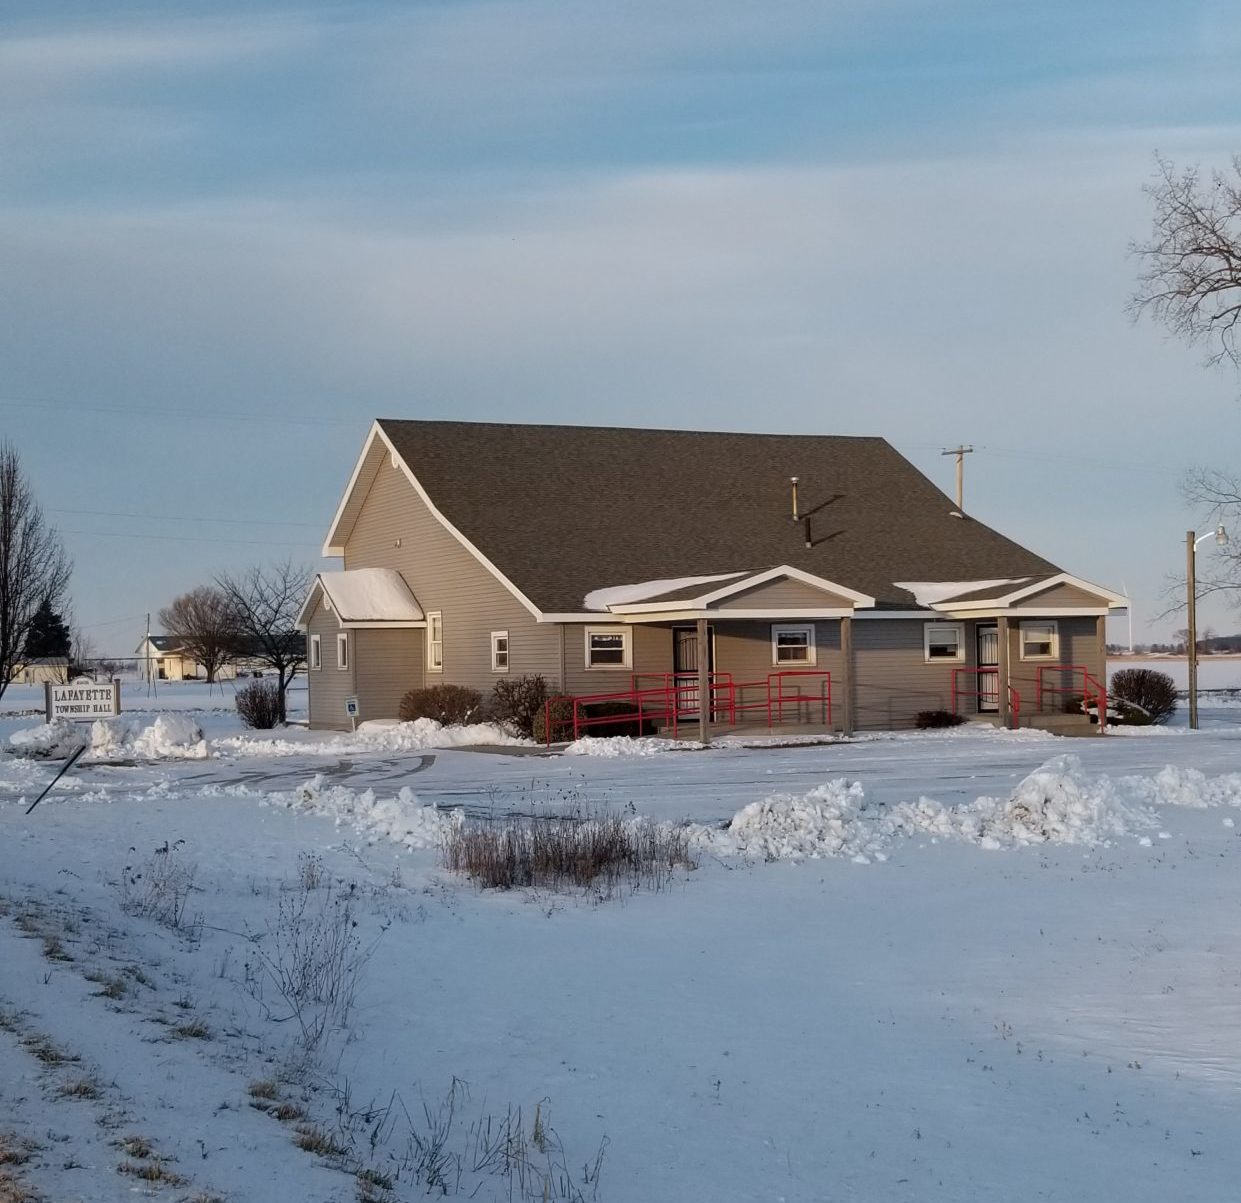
x=48, y=635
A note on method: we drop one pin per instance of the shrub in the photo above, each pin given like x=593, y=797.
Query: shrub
x=562, y=720
x=937, y=718
x=518, y=701
x=1142, y=695
x=258, y=705
x=447, y=704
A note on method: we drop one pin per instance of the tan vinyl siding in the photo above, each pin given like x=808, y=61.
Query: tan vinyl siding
x=1078, y=644
x=1061, y=595
x=785, y=593
x=328, y=686
x=444, y=576
x=893, y=681
x=650, y=652
x=744, y=649
x=387, y=664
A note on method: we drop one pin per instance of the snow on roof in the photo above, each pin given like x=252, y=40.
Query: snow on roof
x=370, y=595
x=619, y=595
x=929, y=593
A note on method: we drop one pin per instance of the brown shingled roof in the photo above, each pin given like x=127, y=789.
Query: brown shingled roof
x=563, y=510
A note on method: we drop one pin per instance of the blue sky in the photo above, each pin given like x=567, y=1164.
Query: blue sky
x=231, y=234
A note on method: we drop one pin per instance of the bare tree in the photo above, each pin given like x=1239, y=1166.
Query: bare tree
x=1191, y=276
x=33, y=565
x=265, y=603
x=202, y=621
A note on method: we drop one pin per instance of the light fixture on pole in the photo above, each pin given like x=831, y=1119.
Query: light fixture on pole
x=1220, y=535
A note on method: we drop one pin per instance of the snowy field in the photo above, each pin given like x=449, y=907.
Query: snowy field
x=965, y=966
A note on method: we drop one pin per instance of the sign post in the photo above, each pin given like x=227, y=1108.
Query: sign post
x=82, y=703
x=351, y=709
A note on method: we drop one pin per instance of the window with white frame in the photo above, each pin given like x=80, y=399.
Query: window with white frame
x=316, y=651
x=499, y=651
x=1040, y=640
x=435, y=642
x=793, y=645
x=607, y=647
x=944, y=641
x=342, y=650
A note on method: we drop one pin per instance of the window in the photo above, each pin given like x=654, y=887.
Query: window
x=316, y=651
x=607, y=648
x=793, y=645
x=499, y=651
x=944, y=641
x=435, y=642
x=1039, y=640
x=342, y=650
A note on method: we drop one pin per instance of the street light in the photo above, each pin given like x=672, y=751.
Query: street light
x=1220, y=535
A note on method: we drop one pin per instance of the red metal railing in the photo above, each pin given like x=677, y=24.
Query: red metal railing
x=1091, y=688
x=1014, y=698
x=677, y=696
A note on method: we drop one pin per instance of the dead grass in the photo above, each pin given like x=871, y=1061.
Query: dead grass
x=195, y=1029
x=13, y=1190
x=317, y=1141
x=136, y=1146
x=113, y=986
x=580, y=850
x=43, y=1049
x=10, y=1020
x=288, y=1113
x=53, y=949
x=151, y=1171
x=81, y=1088
x=16, y=1150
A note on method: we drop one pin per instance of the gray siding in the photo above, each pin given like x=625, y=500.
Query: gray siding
x=785, y=593
x=387, y=664
x=651, y=653
x=329, y=686
x=893, y=681
x=1078, y=645
x=444, y=576
x=744, y=649
x=1061, y=595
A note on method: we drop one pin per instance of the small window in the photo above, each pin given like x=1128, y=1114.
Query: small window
x=435, y=642
x=342, y=650
x=793, y=646
x=1039, y=640
x=316, y=651
x=607, y=649
x=499, y=651
x=944, y=641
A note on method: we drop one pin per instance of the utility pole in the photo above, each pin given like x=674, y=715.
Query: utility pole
x=1191, y=598
x=960, y=452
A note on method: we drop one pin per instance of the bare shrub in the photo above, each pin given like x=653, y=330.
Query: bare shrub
x=259, y=705
x=447, y=704
x=159, y=886
x=602, y=851
x=560, y=711
x=1143, y=696
x=314, y=959
x=930, y=719
x=518, y=701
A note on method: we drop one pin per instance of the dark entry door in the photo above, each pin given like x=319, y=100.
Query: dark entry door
x=685, y=666
x=988, y=659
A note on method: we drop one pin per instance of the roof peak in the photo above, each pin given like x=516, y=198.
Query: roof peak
x=581, y=426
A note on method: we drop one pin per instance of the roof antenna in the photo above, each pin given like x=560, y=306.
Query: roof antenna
x=809, y=540
x=793, y=482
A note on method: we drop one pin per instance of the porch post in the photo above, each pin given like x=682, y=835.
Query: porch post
x=704, y=683
x=1101, y=649
x=846, y=676
x=1001, y=624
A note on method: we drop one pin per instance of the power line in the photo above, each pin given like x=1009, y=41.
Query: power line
x=186, y=414
x=108, y=534
x=183, y=518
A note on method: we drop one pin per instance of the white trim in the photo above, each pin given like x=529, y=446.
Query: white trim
x=730, y=615
x=380, y=625
x=496, y=667
x=1039, y=586
x=435, y=618
x=626, y=648
x=1053, y=654
x=333, y=548
x=780, y=628
x=1050, y=612
x=342, y=644
x=316, y=652
x=905, y=614
x=928, y=627
x=752, y=581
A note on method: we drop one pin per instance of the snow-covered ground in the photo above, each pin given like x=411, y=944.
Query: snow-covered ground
x=972, y=965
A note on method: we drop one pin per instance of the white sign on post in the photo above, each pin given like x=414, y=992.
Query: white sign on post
x=82, y=703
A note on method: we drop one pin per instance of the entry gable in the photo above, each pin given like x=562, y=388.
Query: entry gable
x=1062, y=591
x=364, y=597
x=780, y=590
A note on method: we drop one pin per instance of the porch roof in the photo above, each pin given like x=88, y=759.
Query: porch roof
x=364, y=596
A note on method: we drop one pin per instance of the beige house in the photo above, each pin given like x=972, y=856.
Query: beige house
x=165, y=659
x=831, y=584
x=42, y=669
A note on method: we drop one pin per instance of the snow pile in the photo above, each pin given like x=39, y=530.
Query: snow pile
x=611, y=746
x=58, y=740
x=1056, y=803
x=1176, y=786
x=171, y=736
x=402, y=819
x=376, y=735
